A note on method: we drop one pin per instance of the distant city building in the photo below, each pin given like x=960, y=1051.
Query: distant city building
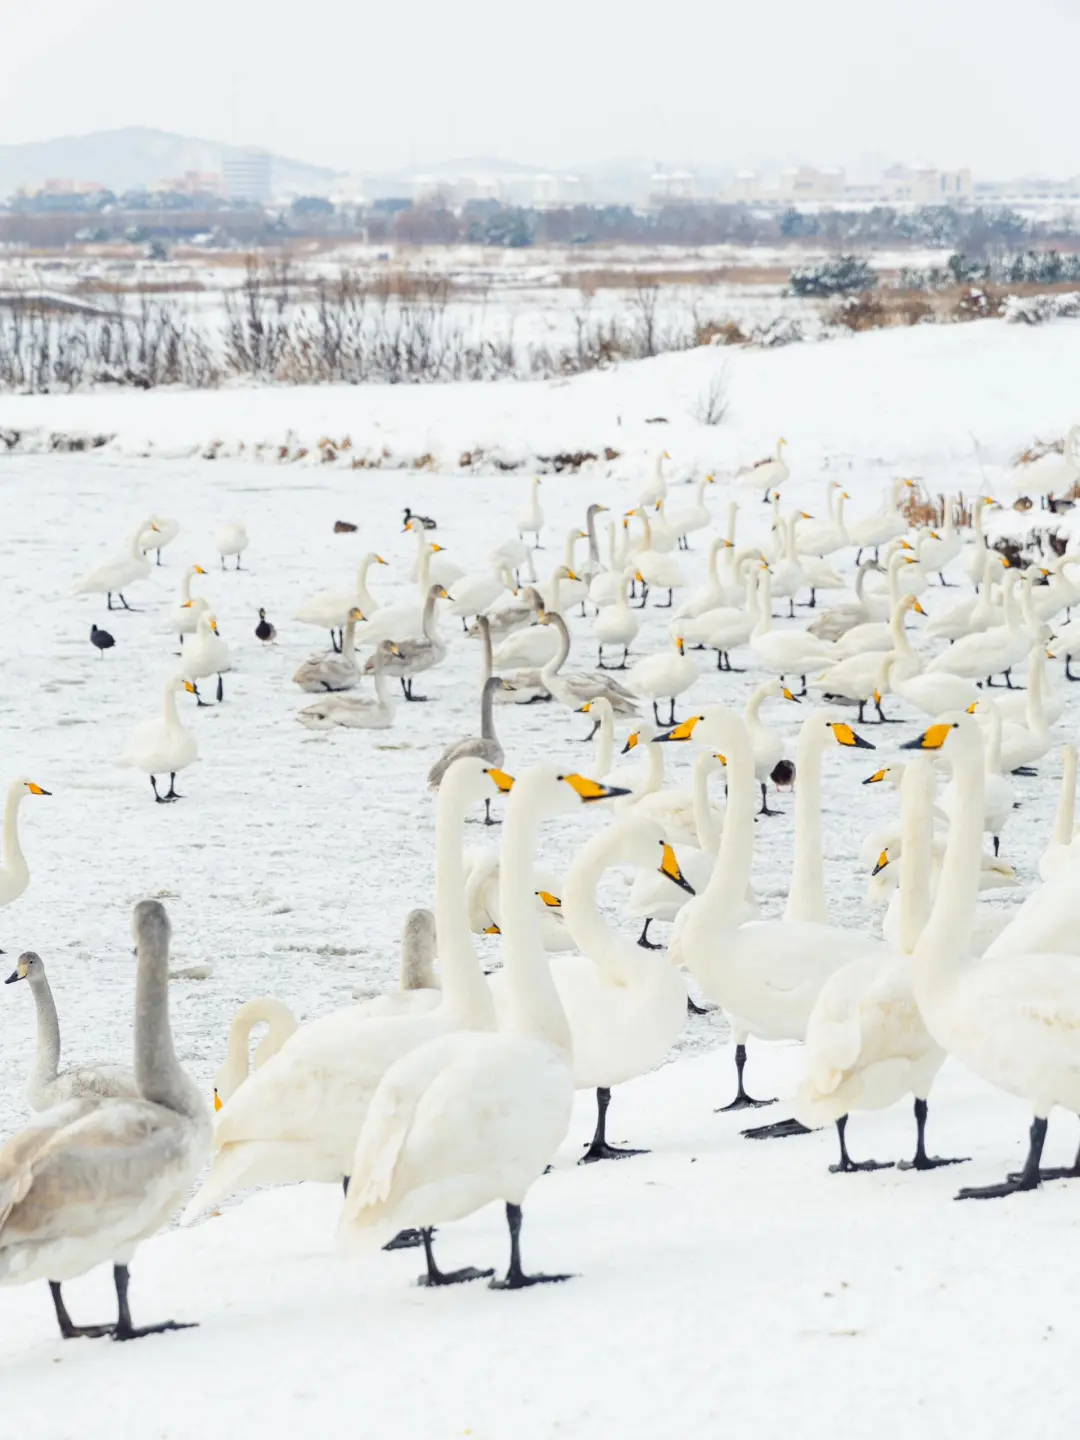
x=666, y=186
x=804, y=182
x=248, y=175
x=926, y=185
x=194, y=182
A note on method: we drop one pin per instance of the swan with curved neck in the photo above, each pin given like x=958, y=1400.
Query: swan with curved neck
x=162, y=747
x=14, y=871
x=1011, y=1015
x=298, y=1116
x=434, y=1148
x=237, y=1065
x=93, y=1178
x=767, y=974
x=574, y=688
x=604, y=732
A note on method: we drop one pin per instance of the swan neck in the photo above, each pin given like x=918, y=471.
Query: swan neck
x=916, y=828
x=806, y=898
x=487, y=718
x=726, y=890
x=534, y=1006
x=47, y=1053
x=172, y=715
x=1065, y=819
x=13, y=854
x=617, y=959
x=943, y=945
x=465, y=992
x=158, y=1076
x=558, y=660
x=485, y=640
x=707, y=833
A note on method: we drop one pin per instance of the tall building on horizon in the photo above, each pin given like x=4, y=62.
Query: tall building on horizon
x=248, y=175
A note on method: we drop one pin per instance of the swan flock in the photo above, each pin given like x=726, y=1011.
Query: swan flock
x=595, y=726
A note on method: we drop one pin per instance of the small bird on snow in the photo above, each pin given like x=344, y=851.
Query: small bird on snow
x=101, y=639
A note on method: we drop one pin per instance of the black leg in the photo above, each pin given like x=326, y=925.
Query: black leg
x=435, y=1276
x=656, y=716
x=1027, y=1179
x=1061, y=1172
x=848, y=1166
x=199, y=700
x=883, y=719
x=643, y=938
x=765, y=803
x=693, y=1008
x=69, y=1330
x=997, y=845
x=172, y=793
x=922, y=1161
x=781, y=1130
x=223, y=562
x=220, y=690
x=515, y=1278
x=238, y=562
x=109, y=606
x=345, y=1184
x=671, y=712
x=406, y=1240
x=862, y=718
x=487, y=814
x=1068, y=673
x=153, y=785
x=742, y=1100
x=599, y=1149
x=124, y=1329
x=123, y=602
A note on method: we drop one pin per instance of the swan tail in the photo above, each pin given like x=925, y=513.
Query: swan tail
x=242, y=1165
x=378, y=1150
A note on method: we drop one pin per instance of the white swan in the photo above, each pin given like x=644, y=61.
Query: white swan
x=1011, y=1015
x=117, y=574
x=186, y=611
x=356, y=712
x=940, y=551
x=486, y=746
x=231, y=538
x=430, y=565
x=785, y=652
x=47, y=1085
x=434, y=1147
x=654, y=487
x=866, y=1044
x=826, y=536
x=727, y=627
x=87, y=1181
x=329, y=610
x=932, y=694
x=473, y=594
x=712, y=595
x=573, y=688
x=689, y=519
x=768, y=744
x=237, y=1065
x=625, y=1006
x=617, y=625
x=999, y=793
x=297, y=1118
x=767, y=474
x=839, y=619
x=656, y=568
x=1051, y=474
x=164, y=746
x=665, y=676
x=888, y=523
x=992, y=652
x=765, y=975
x=206, y=655
x=14, y=871
x=163, y=531
x=530, y=519
x=336, y=669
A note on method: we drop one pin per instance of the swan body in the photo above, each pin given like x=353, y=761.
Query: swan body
x=617, y=624
x=1051, y=474
x=435, y=1147
x=47, y=1084
x=90, y=1179
x=186, y=611
x=1059, y=852
x=654, y=487
x=114, y=576
x=207, y=654
x=530, y=518
x=333, y=671
x=664, y=676
x=163, y=531
x=689, y=519
x=164, y=746
x=768, y=474
x=329, y=610
x=355, y=712
x=474, y=594
x=785, y=652
x=574, y=688
x=231, y=538
x=658, y=569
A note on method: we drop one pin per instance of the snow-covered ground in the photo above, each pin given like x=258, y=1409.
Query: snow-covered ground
x=720, y=1282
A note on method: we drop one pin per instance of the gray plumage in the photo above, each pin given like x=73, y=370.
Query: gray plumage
x=88, y=1180
x=47, y=1085
x=418, y=952
x=407, y=658
x=485, y=746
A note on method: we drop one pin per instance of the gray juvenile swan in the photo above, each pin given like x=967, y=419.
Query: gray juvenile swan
x=87, y=1181
x=486, y=746
x=46, y=1084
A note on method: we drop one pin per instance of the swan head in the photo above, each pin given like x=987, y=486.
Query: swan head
x=440, y=592
x=150, y=926
x=28, y=787
x=29, y=966
x=892, y=773
x=553, y=790
x=936, y=736
x=548, y=900
x=683, y=731
x=882, y=862
x=356, y=614
x=211, y=621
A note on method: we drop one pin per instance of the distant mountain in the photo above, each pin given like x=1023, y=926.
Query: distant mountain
x=134, y=157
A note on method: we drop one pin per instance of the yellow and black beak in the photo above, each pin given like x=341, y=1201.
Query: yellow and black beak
x=551, y=901
x=633, y=740
x=217, y=1100
x=876, y=778
x=845, y=735
x=592, y=789
x=190, y=688
x=584, y=709
x=972, y=707
x=492, y=930
x=36, y=789
x=504, y=783
x=932, y=738
x=882, y=861
x=669, y=866
x=786, y=693
x=684, y=731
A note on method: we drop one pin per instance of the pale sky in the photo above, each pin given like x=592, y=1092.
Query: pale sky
x=367, y=86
